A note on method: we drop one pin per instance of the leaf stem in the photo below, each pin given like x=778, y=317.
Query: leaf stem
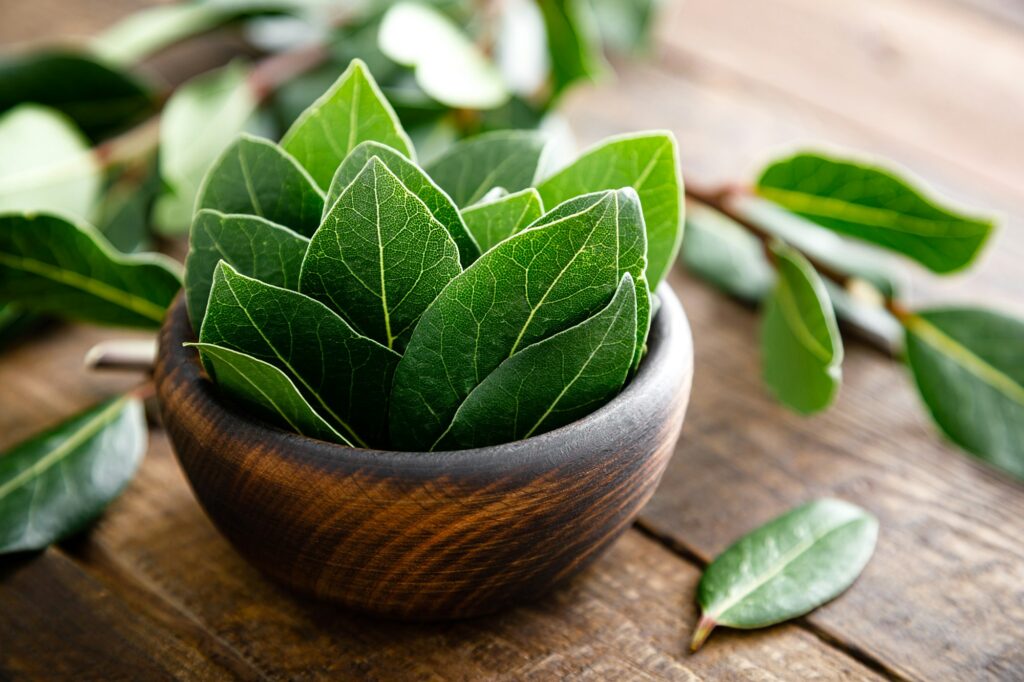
x=723, y=200
x=700, y=634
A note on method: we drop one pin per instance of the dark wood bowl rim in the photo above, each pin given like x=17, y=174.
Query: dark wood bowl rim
x=669, y=359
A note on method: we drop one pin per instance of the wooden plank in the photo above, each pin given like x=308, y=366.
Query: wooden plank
x=58, y=623
x=940, y=76
x=627, y=618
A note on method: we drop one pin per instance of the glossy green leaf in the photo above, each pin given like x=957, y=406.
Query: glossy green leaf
x=266, y=390
x=969, y=367
x=801, y=350
x=875, y=205
x=647, y=162
x=380, y=257
x=345, y=376
x=552, y=382
x=448, y=65
x=56, y=483
x=723, y=253
x=494, y=221
x=353, y=110
x=256, y=177
x=252, y=246
x=47, y=164
x=417, y=182
x=787, y=567
x=52, y=265
x=474, y=166
x=201, y=119
x=573, y=43
x=534, y=284
x=97, y=97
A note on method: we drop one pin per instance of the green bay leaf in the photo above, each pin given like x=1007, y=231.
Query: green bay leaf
x=573, y=43
x=647, y=162
x=471, y=168
x=353, y=110
x=416, y=181
x=554, y=381
x=50, y=264
x=256, y=177
x=266, y=390
x=47, y=164
x=344, y=375
x=969, y=367
x=54, y=484
x=875, y=205
x=380, y=257
x=534, y=284
x=787, y=567
x=252, y=246
x=493, y=221
x=723, y=253
x=801, y=350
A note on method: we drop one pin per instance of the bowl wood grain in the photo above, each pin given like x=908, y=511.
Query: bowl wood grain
x=424, y=536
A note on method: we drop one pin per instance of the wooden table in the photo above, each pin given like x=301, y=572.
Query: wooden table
x=153, y=591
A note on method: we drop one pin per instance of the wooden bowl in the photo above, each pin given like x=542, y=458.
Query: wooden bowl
x=434, y=535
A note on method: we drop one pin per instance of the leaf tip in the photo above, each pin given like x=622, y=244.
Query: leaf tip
x=700, y=635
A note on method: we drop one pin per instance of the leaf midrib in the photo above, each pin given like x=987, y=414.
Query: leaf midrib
x=965, y=358
x=59, y=453
x=882, y=218
x=788, y=559
x=795, y=321
x=90, y=285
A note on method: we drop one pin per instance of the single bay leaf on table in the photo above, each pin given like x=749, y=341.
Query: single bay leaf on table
x=493, y=221
x=201, y=119
x=875, y=205
x=472, y=167
x=256, y=177
x=99, y=98
x=380, y=257
x=49, y=264
x=55, y=483
x=554, y=381
x=353, y=110
x=786, y=568
x=266, y=390
x=416, y=181
x=647, y=162
x=47, y=164
x=346, y=377
x=448, y=65
x=532, y=285
x=252, y=246
x=969, y=367
x=801, y=350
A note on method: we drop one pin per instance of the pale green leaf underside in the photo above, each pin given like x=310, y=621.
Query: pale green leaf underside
x=534, y=284
x=46, y=164
x=494, y=221
x=723, y=253
x=54, y=484
x=380, y=257
x=875, y=205
x=969, y=367
x=788, y=566
x=51, y=265
x=801, y=350
x=256, y=177
x=345, y=376
x=252, y=246
x=472, y=167
x=647, y=162
x=265, y=390
x=353, y=110
x=416, y=181
x=552, y=382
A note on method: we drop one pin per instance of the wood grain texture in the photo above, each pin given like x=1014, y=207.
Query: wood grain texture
x=427, y=535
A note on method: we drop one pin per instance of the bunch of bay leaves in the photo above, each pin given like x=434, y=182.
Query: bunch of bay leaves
x=341, y=291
